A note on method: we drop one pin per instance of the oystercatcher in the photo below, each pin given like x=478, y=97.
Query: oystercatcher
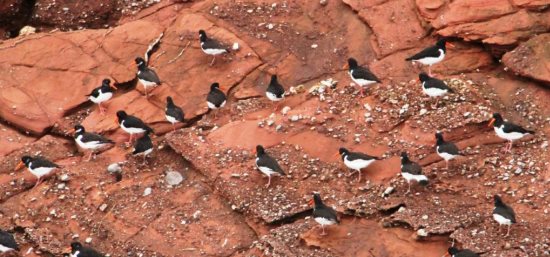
x=38, y=166
x=216, y=98
x=146, y=76
x=362, y=76
x=211, y=46
x=267, y=164
x=454, y=252
x=89, y=141
x=412, y=171
x=143, y=146
x=131, y=124
x=102, y=93
x=503, y=214
x=78, y=250
x=322, y=214
x=7, y=242
x=433, y=87
x=356, y=160
x=445, y=150
x=431, y=55
x=275, y=91
x=508, y=130
x=173, y=113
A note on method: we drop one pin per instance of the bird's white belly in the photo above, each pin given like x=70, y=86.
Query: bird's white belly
x=214, y=51
x=434, y=92
x=445, y=156
x=431, y=60
x=324, y=221
x=273, y=97
x=508, y=136
x=171, y=119
x=410, y=177
x=267, y=171
x=4, y=249
x=102, y=97
x=146, y=152
x=361, y=82
x=75, y=254
x=131, y=130
x=93, y=145
x=501, y=220
x=213, y=106
x=146, y=83
x=39, y=172
x=357, y=164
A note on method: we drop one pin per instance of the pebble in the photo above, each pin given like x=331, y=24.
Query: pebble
x=388, y=191
x=147, y=191
x=88, y=240
x=294, y=118
x=279, y=127
x=323, y=2
x=285, y=110
x=422, y=232
x=235, y=46
x=103, y=207
x=314, y=46
x=424, y=217
x=64, y=177
x=173, y=178
x=114, y=168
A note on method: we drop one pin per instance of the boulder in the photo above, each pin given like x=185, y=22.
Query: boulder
x=531, y=59
x=468, y=11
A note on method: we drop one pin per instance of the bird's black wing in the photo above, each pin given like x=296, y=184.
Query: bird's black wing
x=412, y=168
x=436, y=83
x=511, y=127
x=268, y=161
x=360, y=156
x=149, y=75
x=95, y=92
x=92, y=137
x=364, y=73
x=143, y=144
x=449, y=148
x=216, y=97
x=432, y=51
x=134, y=122
x=175, y=112
x=7, y=240
x=41, y=162
x=325, y=212
x=89, y=252
x=211, y=43
x=467, y=253
x=277, y=89
x=511, y=214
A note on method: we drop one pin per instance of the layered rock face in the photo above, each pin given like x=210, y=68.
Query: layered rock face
x=500, y=63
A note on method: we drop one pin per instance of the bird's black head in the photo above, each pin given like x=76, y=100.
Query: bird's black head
x=452, y=250
x=343, y=151
x=260, y=150
x=140, y=62
x=26, y=159
x=317, y=199
x=498, y=200
x=352, y=63
x=79, y=129
x=202, y=35
x=441, y=43
x=106, y=82
x=273, y=78
x=423, y=76
x=121, y=115
x=169, y=100
x=404, y=157
x=496, y=120
x=214, y=86
x=76, y=246
x=439, y=137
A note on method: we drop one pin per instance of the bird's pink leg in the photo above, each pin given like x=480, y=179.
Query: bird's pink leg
x=268, y=182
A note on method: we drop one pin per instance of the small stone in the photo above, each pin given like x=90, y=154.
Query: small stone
x=103, y=207
x=388, y=191
x=64, y=177
x=147, y=191
x=235, y=46
x=323, y=2
x=423, y=111
x=270, y=123
x=27, y=30
x=507, y=246
x=314, y=46
x=279, y=127
x=270, y=26
x=422, y=232
x=424, y=217
x=285, y=110
x=294, y=118
x=61, y=186
x=173, y=178
x=114, y=168
x=88, y=240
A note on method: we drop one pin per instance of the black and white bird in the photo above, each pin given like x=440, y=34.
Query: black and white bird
x=507, y=130
x=362, y=76
x=38, y=166
x=323, y=214
x=267, y=164
x=146, y=76
x=445, y=150
x=411, y=171
x=275, y=91
x=131, y=124
x=173, y=113
x=356, y=160
x=143, y=146
x=211, y=46
x=102, y=93
x=78, y=250
x=454, y=252
x=503, y=214
x=7, y=242
x=433, y=87
x=431, y=55
x=216, y=98
x=90, y=141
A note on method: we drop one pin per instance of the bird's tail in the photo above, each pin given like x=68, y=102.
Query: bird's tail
x=423, y=182
x=531, y=132
x=409, y=59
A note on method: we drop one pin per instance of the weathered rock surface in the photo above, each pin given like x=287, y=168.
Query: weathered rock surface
x=531, y=59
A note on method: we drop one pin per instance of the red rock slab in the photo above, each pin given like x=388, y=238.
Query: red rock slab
x=11, y=140
x=531, y=59
x=430, y=8
x=394, y=23
x=40, y=85
x=530, y=4
x=468, y=11
x=521, y=25
x=464, y=59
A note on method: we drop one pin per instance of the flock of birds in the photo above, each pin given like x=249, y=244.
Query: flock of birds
x=266, y=164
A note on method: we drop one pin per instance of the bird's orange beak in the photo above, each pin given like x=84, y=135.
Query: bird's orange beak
x=491, y=122
x=72, y=131
x=311, y=202
x=447, y=255
x=67, y=250
x=417, y=80
x=345, y=67
x=336, y=154
x=114, y=87
x=449, y=45
x=117, y=121
x=19, y=165
x=254, y=151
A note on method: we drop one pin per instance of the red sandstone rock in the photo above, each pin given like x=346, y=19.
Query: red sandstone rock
x=531, y=59
x=467, y=11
